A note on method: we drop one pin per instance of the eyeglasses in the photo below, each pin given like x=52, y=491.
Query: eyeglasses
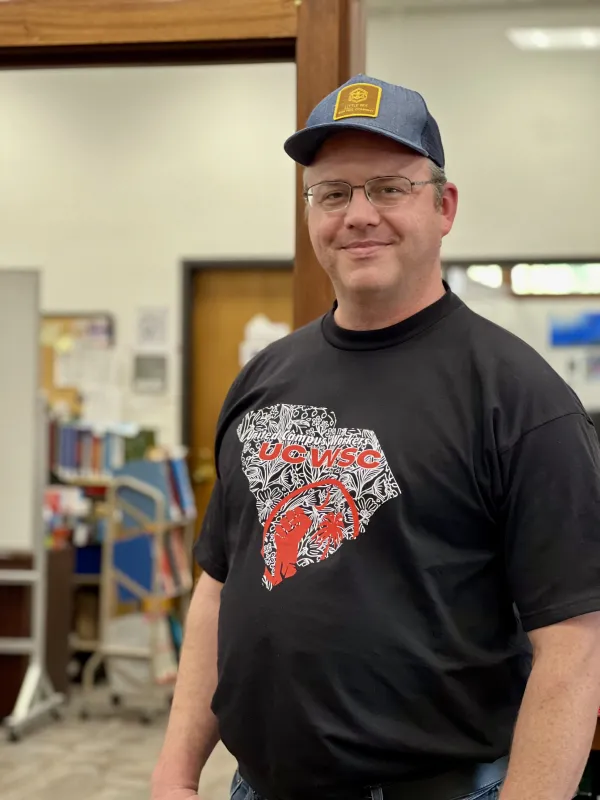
x=381, y=192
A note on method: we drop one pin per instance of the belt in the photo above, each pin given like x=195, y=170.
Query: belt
x=453, y=785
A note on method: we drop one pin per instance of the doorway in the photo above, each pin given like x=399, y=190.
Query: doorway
x=220, y=299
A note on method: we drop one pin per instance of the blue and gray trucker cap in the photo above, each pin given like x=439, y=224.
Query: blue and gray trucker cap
x=368, y=104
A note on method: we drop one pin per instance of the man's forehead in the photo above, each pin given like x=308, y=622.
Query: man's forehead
x=364, y=151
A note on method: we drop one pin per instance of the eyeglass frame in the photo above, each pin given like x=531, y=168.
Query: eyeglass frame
x=363, y=186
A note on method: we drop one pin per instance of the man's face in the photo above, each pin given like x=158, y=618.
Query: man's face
x=367, y=249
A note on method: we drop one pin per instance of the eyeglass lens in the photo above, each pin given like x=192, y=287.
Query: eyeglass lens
x=335, y=195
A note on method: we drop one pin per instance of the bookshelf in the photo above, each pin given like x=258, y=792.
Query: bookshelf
x=146, y=567
x=87, y=455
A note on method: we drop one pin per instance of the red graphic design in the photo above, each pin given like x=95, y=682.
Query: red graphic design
x=316, y=486
x=343, y=457
x=295, y=523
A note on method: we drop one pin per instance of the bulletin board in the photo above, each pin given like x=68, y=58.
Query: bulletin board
x=70, y=344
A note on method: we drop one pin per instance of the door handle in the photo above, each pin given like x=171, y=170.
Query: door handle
x=204, y=471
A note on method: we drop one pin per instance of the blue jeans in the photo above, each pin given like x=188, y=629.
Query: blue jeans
x=240, y=790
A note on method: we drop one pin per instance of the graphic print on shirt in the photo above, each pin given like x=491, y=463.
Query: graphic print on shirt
x=316, y=485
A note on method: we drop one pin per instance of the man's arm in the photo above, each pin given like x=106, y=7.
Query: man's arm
x=192, y=730
x=558, y=715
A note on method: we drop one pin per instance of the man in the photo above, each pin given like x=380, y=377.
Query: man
x=407, y=510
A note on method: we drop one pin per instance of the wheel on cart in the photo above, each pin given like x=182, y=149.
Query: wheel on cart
x=84, y=714
x=14, y=735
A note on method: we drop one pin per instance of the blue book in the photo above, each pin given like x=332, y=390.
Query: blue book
x=133, y=557
x=185, y=493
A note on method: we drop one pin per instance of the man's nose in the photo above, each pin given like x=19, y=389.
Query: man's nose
x=361, y=212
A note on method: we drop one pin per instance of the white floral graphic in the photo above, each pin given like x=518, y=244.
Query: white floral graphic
x=315, y=485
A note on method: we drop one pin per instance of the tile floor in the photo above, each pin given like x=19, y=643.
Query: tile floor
x=108, y=757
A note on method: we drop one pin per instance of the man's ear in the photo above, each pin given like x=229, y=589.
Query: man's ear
x=449, y=207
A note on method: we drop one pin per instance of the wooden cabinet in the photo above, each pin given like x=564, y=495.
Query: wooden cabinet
x=15, y=610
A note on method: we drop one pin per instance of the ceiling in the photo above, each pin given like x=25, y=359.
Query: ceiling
x=425, y=6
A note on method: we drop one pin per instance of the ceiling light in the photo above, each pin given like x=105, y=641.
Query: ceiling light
x=540, y=39
x=590, y=38
x=555, y=38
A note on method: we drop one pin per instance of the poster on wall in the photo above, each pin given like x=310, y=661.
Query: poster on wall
x=579, y=330
x=149, y=373
x=259, y=332
x=592, y=364
x=152, y=330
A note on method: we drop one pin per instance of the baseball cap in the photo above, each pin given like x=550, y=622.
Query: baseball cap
x=368, y=104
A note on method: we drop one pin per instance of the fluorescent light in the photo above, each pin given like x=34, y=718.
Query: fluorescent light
x=540, y=39
x=489, y=275
x=590, y=38
x=555, y=38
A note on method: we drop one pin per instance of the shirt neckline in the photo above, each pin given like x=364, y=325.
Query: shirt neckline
x=346, y=339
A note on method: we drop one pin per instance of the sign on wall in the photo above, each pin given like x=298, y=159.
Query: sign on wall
x=259, y=332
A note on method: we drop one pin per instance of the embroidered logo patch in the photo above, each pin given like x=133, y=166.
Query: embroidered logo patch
x=358, y=100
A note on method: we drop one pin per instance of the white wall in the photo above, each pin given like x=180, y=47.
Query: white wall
x=531, y=319
x=520, y=129
x=521, y=138
x=110, y=177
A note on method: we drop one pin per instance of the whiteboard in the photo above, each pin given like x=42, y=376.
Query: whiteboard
x=20, y=423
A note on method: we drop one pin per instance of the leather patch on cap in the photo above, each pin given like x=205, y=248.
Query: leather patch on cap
x=358, y=100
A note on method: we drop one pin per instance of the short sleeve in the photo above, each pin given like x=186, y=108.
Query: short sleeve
x=209, y=549
x=551, y=516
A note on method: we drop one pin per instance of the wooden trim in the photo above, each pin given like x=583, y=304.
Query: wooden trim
x=330, y=49
x=34, y=23
x=150, y=54
x=189, y=268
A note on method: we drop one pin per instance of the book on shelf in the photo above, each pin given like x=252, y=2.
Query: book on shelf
x=133, y=630
x=70, y=516
x=82, y=451
x=183, y=486
x=170, y=477
x=134, y=557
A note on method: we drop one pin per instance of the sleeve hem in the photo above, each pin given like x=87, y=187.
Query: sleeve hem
x=216, y=571
x=556, y=614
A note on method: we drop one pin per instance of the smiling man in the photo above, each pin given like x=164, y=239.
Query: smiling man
x=401, y=556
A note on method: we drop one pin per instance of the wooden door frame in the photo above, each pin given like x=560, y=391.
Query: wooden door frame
x=189, y=269
x=150, y=54
x=326, y=39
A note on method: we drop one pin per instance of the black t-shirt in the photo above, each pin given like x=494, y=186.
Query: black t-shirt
x=394, y=510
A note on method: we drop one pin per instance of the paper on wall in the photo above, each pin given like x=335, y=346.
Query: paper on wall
x=259, y=332
x=102, y=405
x=152, y=330
x=84, y=366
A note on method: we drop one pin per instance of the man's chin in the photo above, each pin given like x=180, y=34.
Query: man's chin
x=369, y=278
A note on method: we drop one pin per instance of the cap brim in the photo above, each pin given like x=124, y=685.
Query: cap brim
x=304, y=145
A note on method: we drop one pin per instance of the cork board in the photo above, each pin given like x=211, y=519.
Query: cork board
x=61, y=334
